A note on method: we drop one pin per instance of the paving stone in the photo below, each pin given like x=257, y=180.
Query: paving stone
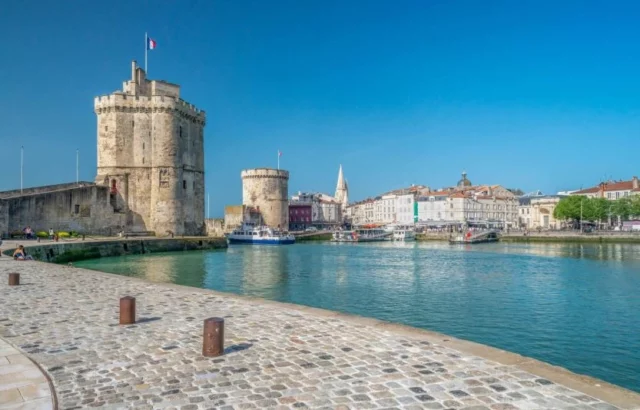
x=276, y=357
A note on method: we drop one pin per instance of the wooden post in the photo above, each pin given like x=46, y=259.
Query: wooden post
x=127, y=310
x=14, y=279
x=213, y=337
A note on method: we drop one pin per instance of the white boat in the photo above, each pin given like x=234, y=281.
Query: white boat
x=259, y=235
x=361, y=235
x=401, y=234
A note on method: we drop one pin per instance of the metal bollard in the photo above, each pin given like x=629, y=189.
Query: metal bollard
x=213, y=337
x=14, y=279
x=127, y=310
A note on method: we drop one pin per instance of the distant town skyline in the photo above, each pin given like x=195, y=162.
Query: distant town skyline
x=528, y=95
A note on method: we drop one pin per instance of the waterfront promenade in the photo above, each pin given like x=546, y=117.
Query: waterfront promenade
x=278, y=355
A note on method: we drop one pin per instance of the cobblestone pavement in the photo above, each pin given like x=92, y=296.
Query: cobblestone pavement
x=277, y=356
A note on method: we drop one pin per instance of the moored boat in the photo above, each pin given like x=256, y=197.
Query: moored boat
x=471, y=238
x=259, y=235
x=406, y=235
x=361, y=235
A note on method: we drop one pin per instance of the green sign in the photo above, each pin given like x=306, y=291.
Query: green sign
x=415, y=211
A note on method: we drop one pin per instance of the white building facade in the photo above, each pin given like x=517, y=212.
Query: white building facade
x=406, y=208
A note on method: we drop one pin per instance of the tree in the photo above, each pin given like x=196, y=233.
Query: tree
x=622, y=208
x=598, y=209
x=634, y=206
x=568, y=208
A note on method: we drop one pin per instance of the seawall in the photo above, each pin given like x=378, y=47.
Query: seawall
x=551, y=237
x=572, y=238
x=63, y=252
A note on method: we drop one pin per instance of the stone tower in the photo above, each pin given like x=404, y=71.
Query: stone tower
x=151, y=155
x=342, y=191
x=268, y=190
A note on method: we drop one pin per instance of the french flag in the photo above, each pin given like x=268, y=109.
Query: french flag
x=151, y=43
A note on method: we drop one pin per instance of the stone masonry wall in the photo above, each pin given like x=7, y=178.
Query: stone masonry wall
x=268, y=190
x=4, y=218
x=215, y=227
x=86, y=210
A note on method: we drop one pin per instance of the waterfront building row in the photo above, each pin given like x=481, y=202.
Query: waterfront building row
x=465, y=203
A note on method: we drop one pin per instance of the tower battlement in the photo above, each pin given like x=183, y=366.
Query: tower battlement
x=122, y=102
x=265, y=173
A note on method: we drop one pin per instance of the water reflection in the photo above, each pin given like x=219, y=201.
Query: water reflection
x=605, y=251
x=573, y=305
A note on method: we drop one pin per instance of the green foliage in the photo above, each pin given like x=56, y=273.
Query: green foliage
x=596, y=209
x=42, y=234
x=568, y=208
x=62, y=234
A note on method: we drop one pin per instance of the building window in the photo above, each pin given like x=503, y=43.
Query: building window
x=609, y=195
x=617, y=195
x=76, y=209
x=184, y=184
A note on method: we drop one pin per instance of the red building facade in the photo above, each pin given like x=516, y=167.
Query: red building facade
x=299, y=216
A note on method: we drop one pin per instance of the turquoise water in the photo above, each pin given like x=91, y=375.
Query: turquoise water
x=573, y=305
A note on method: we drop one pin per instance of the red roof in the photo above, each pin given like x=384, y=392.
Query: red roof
x=610, y=186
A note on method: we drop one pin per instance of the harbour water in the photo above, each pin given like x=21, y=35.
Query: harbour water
x=572, y=305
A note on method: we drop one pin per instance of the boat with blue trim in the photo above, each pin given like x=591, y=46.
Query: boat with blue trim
x=259, y=235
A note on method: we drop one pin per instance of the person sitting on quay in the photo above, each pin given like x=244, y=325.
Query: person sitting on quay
x=20, y=254
x=28, y=232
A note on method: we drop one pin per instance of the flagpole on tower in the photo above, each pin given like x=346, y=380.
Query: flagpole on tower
x=21, y=166
x=146, y=47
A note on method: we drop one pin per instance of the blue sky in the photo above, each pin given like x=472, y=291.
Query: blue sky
x=529, y=94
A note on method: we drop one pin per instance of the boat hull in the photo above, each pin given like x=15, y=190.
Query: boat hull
x=470, y=242
x=263, y=241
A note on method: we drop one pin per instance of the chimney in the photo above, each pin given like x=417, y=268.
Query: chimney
x=601, y=191
x=634, y=182
x=133, y=70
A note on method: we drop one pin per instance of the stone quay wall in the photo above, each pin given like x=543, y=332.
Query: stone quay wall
x=552, y=236
x=268, y=190
x=63, y=252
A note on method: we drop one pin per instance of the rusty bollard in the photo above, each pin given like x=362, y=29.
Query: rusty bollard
x=14, y=279
x=213, y=337
x=127, y=310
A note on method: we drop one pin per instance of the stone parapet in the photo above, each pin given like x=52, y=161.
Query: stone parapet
x=265, y=173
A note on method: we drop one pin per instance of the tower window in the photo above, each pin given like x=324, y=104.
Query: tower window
x=143, y=145
x=106, y=128
x=181, y=131
x=132, y=123
x=184, y=184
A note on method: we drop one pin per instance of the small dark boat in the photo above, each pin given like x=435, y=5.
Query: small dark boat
x=471, y=238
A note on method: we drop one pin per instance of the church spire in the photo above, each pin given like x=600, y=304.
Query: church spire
x=342, y=192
